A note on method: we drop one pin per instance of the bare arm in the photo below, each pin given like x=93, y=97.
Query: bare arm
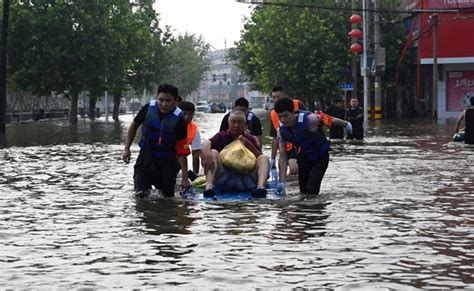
x=132, y=131
x=282, y=161
x=274, y=147
x=259, y=140
x=196, y=155
x=314, y=120
x=338, y=122
x=207, y=161
x=183, y=162
x=459, y=121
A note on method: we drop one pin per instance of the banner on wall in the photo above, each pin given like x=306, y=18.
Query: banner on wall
x=459, y=89
x=454, y=31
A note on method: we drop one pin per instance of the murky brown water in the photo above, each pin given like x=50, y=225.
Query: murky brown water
x=396, y=212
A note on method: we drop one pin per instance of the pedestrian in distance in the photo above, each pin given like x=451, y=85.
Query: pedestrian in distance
x=253, y=122
x=163, y=144
x=466, y=117
x=194, y=135
x=304, y=131
x=278, y=93
x=355, y=115
x=336, y=110
x=217, y=175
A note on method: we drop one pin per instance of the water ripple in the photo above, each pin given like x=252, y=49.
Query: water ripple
x=395, y=212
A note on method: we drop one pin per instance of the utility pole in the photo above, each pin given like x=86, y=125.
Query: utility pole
x=434, y=23
x=377, y=84
x=364, y=70
x=354, y=58
x=3, y=69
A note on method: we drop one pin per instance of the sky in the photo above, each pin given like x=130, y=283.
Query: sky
x=218, y=21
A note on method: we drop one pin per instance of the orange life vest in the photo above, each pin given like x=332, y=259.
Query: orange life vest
x=276, y=121
x=324, y=118
x=192, y=130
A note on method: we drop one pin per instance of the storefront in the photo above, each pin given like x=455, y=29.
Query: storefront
x=455, y=54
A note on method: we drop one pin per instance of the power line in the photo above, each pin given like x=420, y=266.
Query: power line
x=342, y=8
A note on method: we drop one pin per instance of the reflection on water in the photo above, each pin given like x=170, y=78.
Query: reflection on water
x=61, y=132
x=395, y=212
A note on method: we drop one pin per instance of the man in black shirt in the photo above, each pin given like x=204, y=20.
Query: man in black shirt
x=162, y=144
x=253, y=123
x=355, y=115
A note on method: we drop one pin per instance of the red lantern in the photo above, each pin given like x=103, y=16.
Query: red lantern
x=355, y=33
x=355, y=19
x=356, y=48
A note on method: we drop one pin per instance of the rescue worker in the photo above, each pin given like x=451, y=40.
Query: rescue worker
x=163, y=143
x=194, y=135
x=304, y=130
x=277, y=93
x=220, y=176
x=253, y=122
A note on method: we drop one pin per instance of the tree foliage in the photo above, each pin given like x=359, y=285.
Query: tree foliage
x=303, y=49
x=187, y=57
x=95, y=46
x=303, y=46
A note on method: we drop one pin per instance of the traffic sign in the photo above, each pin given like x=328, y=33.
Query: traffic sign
x=346, y=86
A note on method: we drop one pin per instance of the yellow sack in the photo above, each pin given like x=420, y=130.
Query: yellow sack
x=238, y=158
x=200, y=182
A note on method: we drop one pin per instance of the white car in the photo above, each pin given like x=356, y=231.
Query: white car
x=202, y=106
x=269, y=104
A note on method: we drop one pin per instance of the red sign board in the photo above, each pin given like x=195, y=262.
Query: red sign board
x=455, y=30
x=459, y=88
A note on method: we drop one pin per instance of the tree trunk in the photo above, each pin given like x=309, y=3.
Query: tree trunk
x=115, y=114
x=73, y=109
x=92, y=103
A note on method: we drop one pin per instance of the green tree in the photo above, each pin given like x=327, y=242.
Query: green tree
x=150, y=64
x=303, y=49
x=187, y=57
x=74, y=46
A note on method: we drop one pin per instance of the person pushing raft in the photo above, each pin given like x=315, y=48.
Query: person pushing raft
x=304, y=131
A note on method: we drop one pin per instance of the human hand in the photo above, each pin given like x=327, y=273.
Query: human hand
x=281, y=187
x=185, y=184
x=244, y=140
x=348, y=127
x=126, y=155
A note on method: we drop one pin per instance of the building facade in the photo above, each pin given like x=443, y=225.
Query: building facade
x=446, y=38
x=222, y=83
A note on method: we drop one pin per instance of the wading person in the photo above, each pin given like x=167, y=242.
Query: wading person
x=468, y=130
x=162, y=144
x=355, y=115
x=253, y=122
x=304, y=131
x=227, y=178
x=336, y=110
x=279, y=92
x=194, y=135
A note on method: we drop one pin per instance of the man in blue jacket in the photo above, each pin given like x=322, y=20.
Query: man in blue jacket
x=304, y=131
x=163, y=142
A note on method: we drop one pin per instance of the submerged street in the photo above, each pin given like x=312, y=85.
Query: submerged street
x=395, y=211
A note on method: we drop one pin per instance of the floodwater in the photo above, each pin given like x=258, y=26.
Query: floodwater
x=395, y=212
